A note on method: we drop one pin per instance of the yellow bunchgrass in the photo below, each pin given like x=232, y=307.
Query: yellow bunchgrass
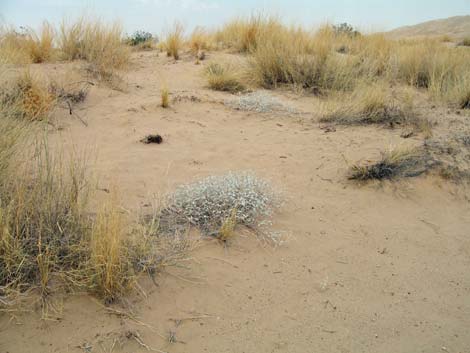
x=165, y=97
x=174, y=41
x=200, y=41
x=27, y=46
x=110, y=263
x=27, y=96
x=41, y=46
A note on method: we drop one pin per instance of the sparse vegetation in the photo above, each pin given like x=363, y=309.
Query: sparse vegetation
x=48, y=238
x=345, y=29
x=27, y=96
x=243, y=34
x=165, y=97
x=465, y=42
x=26, y=46
x=259, y=102
x=399, y=162
x=174, y=41
x=224, y=77
x=200, y=41
x=141, y=40
x=40, y=47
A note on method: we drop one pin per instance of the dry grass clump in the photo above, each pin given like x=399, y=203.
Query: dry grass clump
x=304, y=60
x=100, y=44
x=400, y=162
x=42, y=218
x=242, y=34
x=224, y=77
x=13, y=47
x=465, y=42
x=41, y=46
x=27, y=96
x=215, y=204
x=27, y=46
x=463, y=98
x=110, y=264
x=375, y=104
x=368, y=104
x=165, y=97
x=200, y=41
x=174, y=41
x=429, y=64
x=32, y=97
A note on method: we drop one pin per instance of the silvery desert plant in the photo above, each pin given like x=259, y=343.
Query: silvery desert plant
x=209, y=202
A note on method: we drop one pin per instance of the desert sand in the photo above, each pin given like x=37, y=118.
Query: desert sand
x=376, y=267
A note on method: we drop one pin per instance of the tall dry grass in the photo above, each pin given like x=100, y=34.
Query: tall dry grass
x=41, y=46
x=50, y=236
x=174, y=41
x=329, y=61
x=27, y=96
x=26, y=46
x=243, y=34
x=101, y=44
x=200, y=40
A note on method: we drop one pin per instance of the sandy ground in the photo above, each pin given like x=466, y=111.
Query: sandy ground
x=382, y=267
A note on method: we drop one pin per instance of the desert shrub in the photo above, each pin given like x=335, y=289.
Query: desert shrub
x=259, y=102
x=224, y=77
x=210, y=202
x=139, y=38
x=345, y=29
x=174, y=41
x=409, y=162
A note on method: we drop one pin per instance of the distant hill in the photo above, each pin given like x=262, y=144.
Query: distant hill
x=456, y=27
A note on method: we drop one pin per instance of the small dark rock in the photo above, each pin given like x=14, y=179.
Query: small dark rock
x=152, y=139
